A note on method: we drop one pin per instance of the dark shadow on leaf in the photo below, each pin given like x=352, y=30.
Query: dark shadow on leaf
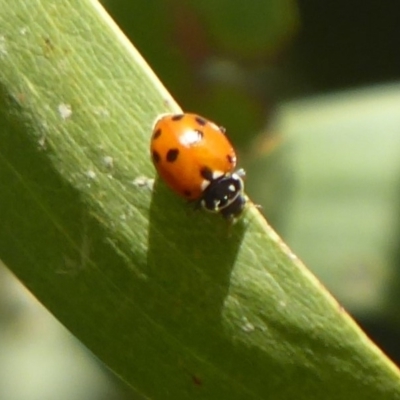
x=190, y=258
x=191, y=255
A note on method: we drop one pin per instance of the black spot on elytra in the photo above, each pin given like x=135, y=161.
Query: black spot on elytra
x=172, y=155
x=230, y=158
x=206, y=173
x=187, y=193
x=156, y=157
x=156, y=134
x=200, y=133
x=200, y=121
x=177, y=117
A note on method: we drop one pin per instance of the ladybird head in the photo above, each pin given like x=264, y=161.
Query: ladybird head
x=225, y=195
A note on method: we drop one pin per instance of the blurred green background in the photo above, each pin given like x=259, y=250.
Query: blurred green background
x=309, y=92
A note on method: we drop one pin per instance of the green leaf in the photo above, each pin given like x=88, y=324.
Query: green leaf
x=176, y=302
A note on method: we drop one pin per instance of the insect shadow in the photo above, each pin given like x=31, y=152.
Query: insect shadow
x=191, y=254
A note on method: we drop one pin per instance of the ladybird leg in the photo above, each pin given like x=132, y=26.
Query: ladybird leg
x=241, y=173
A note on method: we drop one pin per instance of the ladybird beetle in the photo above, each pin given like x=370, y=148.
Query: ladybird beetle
x=197, y=161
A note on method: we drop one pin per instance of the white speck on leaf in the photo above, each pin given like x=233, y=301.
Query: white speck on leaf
x=144, y=182
x=91, y=174
x=108, y=162
x=3, y=46
x=65, y=110
x=42, y=142
x=247, y=326
x=101, y=112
